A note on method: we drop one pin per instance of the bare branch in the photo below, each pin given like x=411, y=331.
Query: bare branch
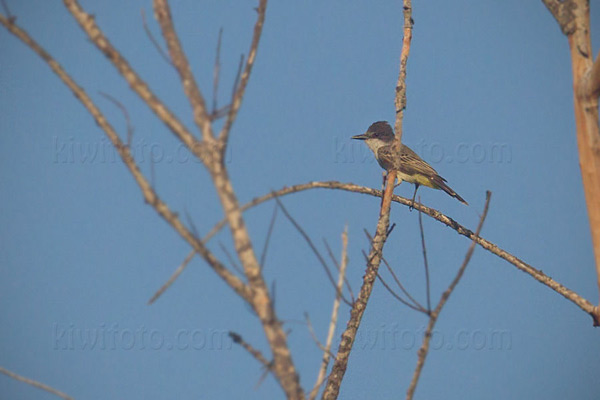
x=152, y=174
x=338, y=267
x=333, y=320
x=216, y=73
x=124, y=152
x=340, y=365
x=255, y=292
x=253, y=352
x=236, y=81
x=573, y=17
x=11, y=18
x=125, y=114
x=400, y=99
x=313, y=248
x=175, y=275
x=268, y=366
x=231, y=259
x=422, y=353
x=88, y=24
x=220, y=113
x=36, y=384
x=425, y=262
x=311, y=330
x=239, y=90
x=154, y=41
x=263, y=256
x=162, y=13
x=562, y=10
x=416, y=304
x=538, y=275
x=396, y=295
x=191, y=223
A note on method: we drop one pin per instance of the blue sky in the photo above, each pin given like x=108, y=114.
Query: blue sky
x=489, y=106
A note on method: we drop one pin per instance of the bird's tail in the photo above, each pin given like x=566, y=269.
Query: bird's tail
x=441, y=183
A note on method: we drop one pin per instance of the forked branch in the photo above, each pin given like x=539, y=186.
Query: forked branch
x=573, y=17
x=240, y=88
x=333, y=320
x=537, y=274
x=424, y=350
x=150, y=196
x=162, y=12
x=340, y=365
x=95, y=34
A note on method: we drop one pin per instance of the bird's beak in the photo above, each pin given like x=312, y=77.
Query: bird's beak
x=364, y=136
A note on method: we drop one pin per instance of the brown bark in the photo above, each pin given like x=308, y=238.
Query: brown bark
x=573, y=16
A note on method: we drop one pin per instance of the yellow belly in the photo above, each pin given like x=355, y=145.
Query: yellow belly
x=420, y=179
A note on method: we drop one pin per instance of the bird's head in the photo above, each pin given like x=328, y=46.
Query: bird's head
x=379, y=134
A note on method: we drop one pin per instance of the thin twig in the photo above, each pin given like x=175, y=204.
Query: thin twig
x=220, y=113
x=417, y=305
x=241, y=88
x=162, y=13
x=262, y=378
x=11, y=18
x=191, y=223
x=231, y=259
x=357, y=311
x=423, y=351
x=400, y=99
x=274, y=294
x=36, y=384
x=176, y=274
x=237, y=339
x=311, y=330
x=213, y=158
x=150, y=196
x=157, y=46
x=255, y=291
x=338, y=268
x=236, y=81
x=390, y=230
x=333, y=320
x=425, y=262
x=216, y=73
x=396, y=295
x=263, y=256
x=125, y=114
x=584, y=304
x=152, y=173
x=313, y=248
x=95, y=34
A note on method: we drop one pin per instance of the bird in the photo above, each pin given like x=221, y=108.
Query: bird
x=408, y=165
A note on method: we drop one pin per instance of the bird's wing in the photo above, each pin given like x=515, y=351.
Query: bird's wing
x=386, y=157
x=410, y=163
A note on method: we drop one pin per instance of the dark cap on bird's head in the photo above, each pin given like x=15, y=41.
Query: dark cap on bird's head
x=378, y=130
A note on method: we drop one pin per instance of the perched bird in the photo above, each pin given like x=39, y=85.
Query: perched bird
x=408, y=165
